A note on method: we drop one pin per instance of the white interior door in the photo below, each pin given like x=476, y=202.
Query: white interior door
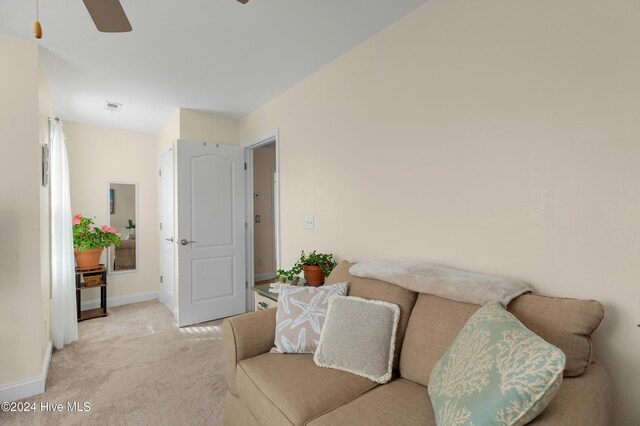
x=274, y=206
x=167, y=244
x=211, y=231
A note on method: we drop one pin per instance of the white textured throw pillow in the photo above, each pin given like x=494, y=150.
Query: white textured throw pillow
x=359, y=337
x=300, y=316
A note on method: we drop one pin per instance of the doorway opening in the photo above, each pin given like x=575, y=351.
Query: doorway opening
x=263, y=199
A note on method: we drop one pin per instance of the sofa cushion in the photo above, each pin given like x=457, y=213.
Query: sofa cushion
x=496, y=371
x=400, y=403
x=583, y=400
x=378, y=290
x=434, y=324
x=359, y=337
x=291, y=389
x=565, y=323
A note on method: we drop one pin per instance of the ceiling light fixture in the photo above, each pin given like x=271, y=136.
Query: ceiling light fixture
x=112, y=106
x=37, y=29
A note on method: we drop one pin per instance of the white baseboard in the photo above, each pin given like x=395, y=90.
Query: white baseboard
x=29, y=387
x=120, y=300
x=265, y=276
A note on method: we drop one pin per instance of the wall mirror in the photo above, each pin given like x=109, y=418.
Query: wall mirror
x=123, y=216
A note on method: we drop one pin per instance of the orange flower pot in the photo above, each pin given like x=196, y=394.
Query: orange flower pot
x=313, y=275
x=88, y=259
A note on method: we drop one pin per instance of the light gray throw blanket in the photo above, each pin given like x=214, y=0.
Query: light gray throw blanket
x=442, y=281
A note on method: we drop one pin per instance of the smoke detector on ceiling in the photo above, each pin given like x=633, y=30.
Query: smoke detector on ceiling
x=112, y=106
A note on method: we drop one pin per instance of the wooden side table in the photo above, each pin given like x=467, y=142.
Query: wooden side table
x=86, y=275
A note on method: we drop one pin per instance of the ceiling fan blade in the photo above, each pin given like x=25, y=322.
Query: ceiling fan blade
x=108, y=15
x=243, y=1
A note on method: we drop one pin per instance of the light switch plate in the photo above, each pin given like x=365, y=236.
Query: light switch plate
x=309, y=222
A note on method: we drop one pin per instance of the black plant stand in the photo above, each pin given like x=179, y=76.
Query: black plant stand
x=81, y=276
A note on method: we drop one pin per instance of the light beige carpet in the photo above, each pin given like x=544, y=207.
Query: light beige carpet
x=135, y=367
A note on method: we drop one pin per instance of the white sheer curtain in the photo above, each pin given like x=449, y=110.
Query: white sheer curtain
x=64, y=325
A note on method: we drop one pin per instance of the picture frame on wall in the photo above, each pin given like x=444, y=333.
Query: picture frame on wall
x=112, y=204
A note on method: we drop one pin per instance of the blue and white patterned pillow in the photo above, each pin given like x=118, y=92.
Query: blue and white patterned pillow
x=496, y=372
x=300, y=317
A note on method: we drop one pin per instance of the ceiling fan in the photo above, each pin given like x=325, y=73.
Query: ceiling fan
x=108, y=15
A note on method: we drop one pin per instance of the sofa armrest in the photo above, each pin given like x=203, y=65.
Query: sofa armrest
x=245, y=336
x=582, y=400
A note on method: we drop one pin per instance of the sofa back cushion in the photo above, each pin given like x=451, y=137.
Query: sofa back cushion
x=565, y=323
x=435, y=322
x=378, y=290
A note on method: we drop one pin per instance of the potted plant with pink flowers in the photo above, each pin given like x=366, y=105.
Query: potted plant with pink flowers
x=89, y=241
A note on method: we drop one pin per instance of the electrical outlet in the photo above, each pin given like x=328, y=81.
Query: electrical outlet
x=260, y=262
x=309, y=222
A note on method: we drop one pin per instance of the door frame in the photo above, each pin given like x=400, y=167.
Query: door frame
x=267, y=138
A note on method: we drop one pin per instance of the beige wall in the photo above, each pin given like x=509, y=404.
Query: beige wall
x=22, y=244
x=46, y=112
x=197, y=126
x=204, y=127
x=264, y=162
x=169, y=133
x=494, y=136
x=98, y=155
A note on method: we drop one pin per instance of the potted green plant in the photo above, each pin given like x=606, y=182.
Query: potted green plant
x=316, y=267
x=131, y=230
x=89, y=241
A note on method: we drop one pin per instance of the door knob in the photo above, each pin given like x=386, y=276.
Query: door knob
x=184, y=242
x=169, y=239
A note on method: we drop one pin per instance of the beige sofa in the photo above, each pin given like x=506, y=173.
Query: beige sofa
x=289, y=389
x=125, y=255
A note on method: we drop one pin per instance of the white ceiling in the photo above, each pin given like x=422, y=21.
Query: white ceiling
x=217, y=56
